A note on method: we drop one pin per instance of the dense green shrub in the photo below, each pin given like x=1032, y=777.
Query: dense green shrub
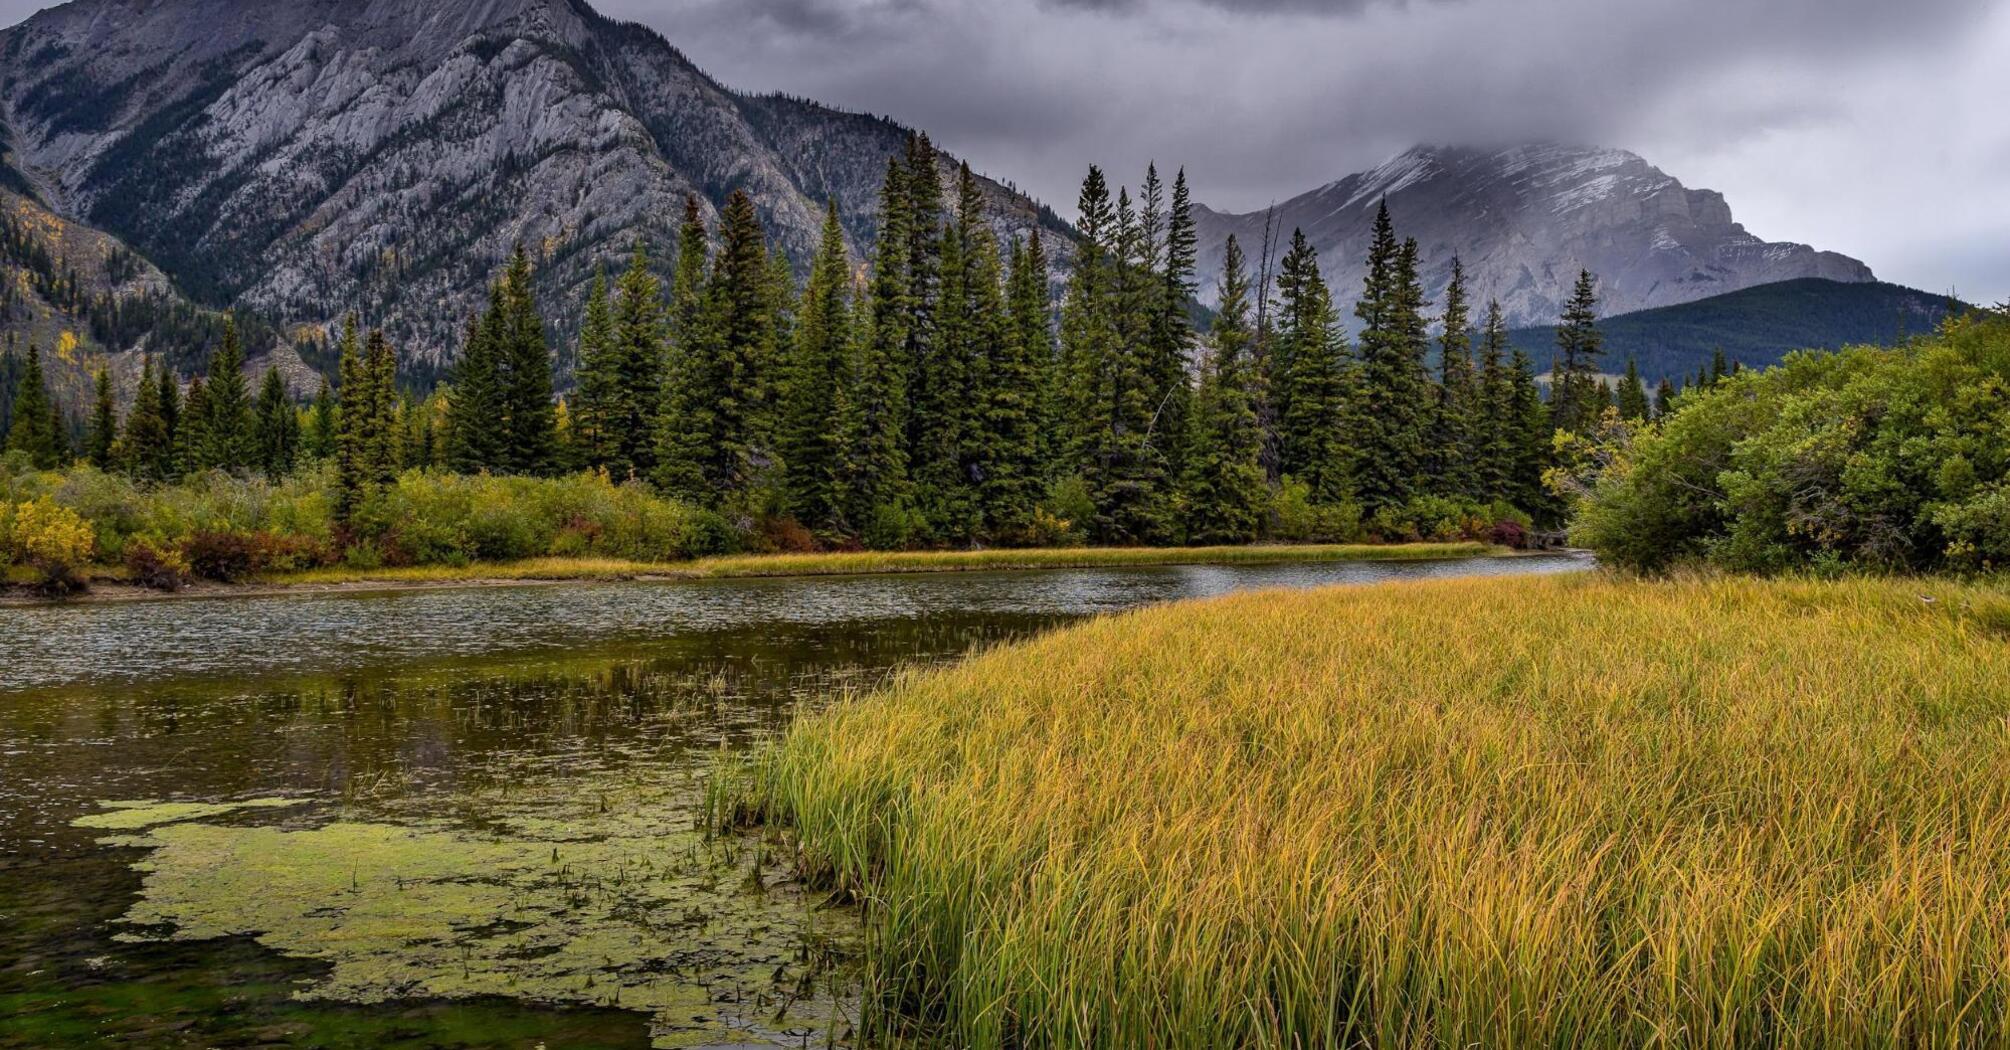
x=1885, y=459
x=429, y=518
x=1295, y=518
x=1443, y=519
x=221, y=527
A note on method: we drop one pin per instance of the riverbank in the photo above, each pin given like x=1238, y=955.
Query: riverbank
x=1569, y=811
x=552, y=571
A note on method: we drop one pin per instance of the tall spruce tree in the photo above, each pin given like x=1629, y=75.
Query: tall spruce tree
x=1225, y=476
x=354, y=417
x=227, y=428
x=11, y=368
x=36, y=430
x=317, y=442
x=710, y=448
x=531, y=442
x=384, y=444
x=145, y=449
x=1574, y=393
x=104, y=433
x=1014, y=472
x=816, y=405
x=1664, y=398
x=643, y=360
x=1314, y=394
x=476, y=433
x=171, y=418
x=1458, y=408
x=1533, y=428
x=191, y=437
x=1632, y=395
x=597, y=407
x=1395, y=387
x=278, y=428
x=1106, y=360
x=1499, y=440
x=876, y=443
x=1171, y=339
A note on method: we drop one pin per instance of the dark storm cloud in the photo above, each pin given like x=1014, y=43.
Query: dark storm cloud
x=1325, y=7
x=1263, y=99
x=1827, y=121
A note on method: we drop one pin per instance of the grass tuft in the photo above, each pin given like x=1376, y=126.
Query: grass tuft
x=1530, y=812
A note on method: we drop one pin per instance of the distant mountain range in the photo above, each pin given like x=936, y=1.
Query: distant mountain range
x=1755, y=327
x=299, y=160
x=1524, y=221
x=307, y=157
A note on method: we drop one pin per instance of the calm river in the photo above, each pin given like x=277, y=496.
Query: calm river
x=460, y=818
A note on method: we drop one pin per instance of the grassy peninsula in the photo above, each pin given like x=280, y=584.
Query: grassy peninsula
x=1540, y=812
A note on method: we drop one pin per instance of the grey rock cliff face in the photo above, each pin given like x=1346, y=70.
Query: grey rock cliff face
x=1524, y=221
x=309, y=157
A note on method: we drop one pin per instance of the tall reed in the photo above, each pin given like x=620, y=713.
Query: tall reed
x=1521, y=812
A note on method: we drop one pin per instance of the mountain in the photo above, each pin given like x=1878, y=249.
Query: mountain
x=1524, y=220
x=1756, y=327
x=304, y=158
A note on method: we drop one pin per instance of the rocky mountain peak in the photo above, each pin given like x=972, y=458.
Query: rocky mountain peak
x=1525, y=218
x=309, y=158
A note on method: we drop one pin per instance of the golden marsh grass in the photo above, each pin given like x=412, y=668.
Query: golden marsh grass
x=867, y=562
x=1553, y=812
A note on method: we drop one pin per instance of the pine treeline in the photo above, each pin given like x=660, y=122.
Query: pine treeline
x=935, y=392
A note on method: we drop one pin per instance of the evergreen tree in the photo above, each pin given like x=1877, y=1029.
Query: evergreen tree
x=475, y=431
x=104, y=430
x=1312, y=393
x=145, y=449
x=1013, y=391
x=422, y=445
x=171, y=418
x=354, y=417
x=383, y=445
x=191, y=438
x=1395, y=386
x=953, y=443
x=1105, y=361
x=1171, y=339
x=318, y=440
x=709, y=451
x=599, y=411
x=531, y=435
x=1499, y=439
x=1458, y=394
x=771, y=364
x=1632, y=395
x=36, y=430
x=816, y=407
x=922, y=187
x=876, y=441
x=1579, y=345
x=639, y=338
x=278, y=428
x=1225, y=477
x=11, y=368
x=1664, y=398
x=1532, y=429
x=227, y=426
x=1719, y=369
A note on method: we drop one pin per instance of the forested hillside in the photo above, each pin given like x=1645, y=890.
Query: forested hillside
x=1757, y=327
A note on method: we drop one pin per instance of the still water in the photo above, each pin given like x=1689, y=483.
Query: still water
x=460, y=818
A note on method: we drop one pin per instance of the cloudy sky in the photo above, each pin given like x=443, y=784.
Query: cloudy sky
x=1871, y=127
